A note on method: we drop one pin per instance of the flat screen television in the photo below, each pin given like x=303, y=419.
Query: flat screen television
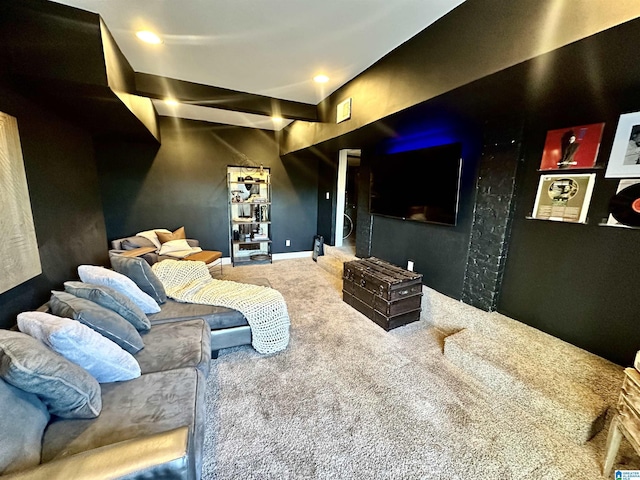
x=419, y=185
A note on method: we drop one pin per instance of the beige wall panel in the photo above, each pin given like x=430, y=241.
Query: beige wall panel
x=19, y=256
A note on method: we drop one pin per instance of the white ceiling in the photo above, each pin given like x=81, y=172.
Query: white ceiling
x=271, y=48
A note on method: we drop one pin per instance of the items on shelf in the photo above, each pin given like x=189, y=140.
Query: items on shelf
x=249, y=214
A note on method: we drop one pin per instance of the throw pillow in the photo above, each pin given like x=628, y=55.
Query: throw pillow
x=179, y=234
x=178, y=248
x=131, y=243
x=111, y=299
x=67, y=390
x=103, y=359
x=152, y=235
x=100, y=319
x=138, y=270
x=121, y=283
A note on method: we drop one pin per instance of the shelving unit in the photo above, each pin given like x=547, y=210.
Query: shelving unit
x=249, y=197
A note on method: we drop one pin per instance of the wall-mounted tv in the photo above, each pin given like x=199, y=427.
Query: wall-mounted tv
x=420, y=185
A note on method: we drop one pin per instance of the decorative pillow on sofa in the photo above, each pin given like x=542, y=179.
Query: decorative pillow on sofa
x=100, y=319
x=178, y=234
x=131, y=243
x=121, y=283
x=178, y=249
x=138, y=270
x=153, y=235
x=66, y=389
x=102, y=358
x=23, y=419
x=111, y=299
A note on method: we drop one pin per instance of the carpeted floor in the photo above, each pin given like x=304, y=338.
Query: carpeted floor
x=348, y=400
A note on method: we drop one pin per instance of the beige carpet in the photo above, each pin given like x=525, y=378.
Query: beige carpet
x=349, y=400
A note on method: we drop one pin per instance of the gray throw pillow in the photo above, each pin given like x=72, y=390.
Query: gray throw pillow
x=102, y=358
x=66, y=389
x=111, y=299
x=138, y=270
x=131, y=243
x=23, y=419
x=100, y=319
x=121, y=283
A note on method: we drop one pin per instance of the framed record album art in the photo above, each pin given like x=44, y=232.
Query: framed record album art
x=572, y=147
x=564, y=197
x=624, y=207
x=624, y=161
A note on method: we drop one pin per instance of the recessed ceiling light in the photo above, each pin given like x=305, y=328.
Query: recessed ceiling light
x=171, y=101
x=149, y=37
x=321, y=79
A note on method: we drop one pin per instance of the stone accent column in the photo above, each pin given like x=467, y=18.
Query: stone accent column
x=491, y=227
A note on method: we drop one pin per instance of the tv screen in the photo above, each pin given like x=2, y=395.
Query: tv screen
x=419, y=185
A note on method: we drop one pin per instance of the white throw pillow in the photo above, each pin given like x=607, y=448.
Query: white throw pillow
x=121, y=283
x=98, y=355
x=178, y=248
x=151, y=235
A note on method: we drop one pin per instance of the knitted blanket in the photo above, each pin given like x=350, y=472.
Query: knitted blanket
x=264, y=307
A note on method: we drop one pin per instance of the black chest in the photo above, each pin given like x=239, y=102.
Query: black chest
x=387, y=294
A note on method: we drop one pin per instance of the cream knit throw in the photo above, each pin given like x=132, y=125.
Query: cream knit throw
x=264, y=307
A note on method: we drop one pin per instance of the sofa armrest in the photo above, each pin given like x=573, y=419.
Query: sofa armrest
x=164, y=455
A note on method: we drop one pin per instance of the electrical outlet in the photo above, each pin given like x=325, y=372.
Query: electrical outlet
x=410, y=265
x=287, y=243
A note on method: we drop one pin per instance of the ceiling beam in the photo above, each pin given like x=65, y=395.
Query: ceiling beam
x=158, y=87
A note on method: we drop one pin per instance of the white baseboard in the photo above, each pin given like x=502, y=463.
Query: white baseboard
x=287, y=256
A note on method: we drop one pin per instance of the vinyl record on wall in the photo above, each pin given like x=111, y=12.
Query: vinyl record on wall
x=625, y=206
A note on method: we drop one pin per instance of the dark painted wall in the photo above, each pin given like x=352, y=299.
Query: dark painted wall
x=578, y=282
x=327, y=183
x=65, y=201
x=184, y=183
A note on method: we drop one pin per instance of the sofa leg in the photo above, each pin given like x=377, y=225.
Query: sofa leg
x=214, y=354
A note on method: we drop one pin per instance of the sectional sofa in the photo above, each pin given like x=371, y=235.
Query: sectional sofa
x=58, y=421
x=229, y=328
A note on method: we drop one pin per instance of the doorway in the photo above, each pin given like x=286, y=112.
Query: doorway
x=347, y=198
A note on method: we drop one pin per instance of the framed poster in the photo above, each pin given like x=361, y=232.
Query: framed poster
x=573, y=147
x=624, y=161
x=624, y=207
x=564, y=197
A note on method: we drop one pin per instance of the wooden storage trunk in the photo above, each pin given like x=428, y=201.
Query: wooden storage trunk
x=387, y=294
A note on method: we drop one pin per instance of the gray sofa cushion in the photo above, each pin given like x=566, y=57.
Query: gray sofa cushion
x=111, y=299
x=23, y=418
x=176, y=345
x=140, y=272
x=67, y=389
x=102, y=320
x=216, y=317
x=153, y=403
